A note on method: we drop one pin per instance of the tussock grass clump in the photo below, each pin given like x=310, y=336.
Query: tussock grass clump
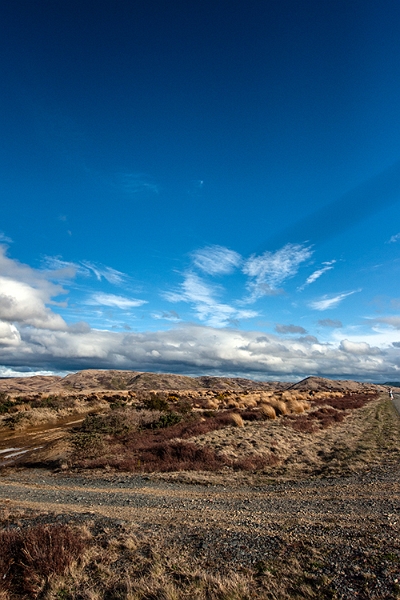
x=295, y=406
x=237, y=420
x=268, y=411
x=30, y=557
x=279, y=406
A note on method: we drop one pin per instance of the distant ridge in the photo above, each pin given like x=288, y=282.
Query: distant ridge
x=91, y=380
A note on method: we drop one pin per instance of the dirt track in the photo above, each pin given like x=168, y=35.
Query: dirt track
x=354, y=521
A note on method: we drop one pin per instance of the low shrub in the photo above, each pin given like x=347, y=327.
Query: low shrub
x=87, y=444
x=29, y=557
x=54, y=402
x=6, y=406
x=167, y=419
x=251, y=415
x=155, y=402
x=351, y=401
x=322, y=418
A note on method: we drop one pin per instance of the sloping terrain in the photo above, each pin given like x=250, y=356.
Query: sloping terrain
x=117, y=380
x=226, y=489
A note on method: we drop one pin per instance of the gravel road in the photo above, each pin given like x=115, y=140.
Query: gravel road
x=354, y=522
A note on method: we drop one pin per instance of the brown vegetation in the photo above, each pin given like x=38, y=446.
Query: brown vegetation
x=30, y=557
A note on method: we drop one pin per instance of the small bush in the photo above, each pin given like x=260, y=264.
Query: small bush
x=6, y=405
x=13, y=420
x=167, y=419
x=322, y=418
x=184, y=406
x=87, y=444
x=54, y=402
x=155, y=402
x=31, y=556
x=251, y=415
x=255, y=462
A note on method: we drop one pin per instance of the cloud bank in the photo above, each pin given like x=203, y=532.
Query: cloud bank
x=35, y=337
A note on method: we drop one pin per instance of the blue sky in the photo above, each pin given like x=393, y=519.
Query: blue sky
x=201, y=187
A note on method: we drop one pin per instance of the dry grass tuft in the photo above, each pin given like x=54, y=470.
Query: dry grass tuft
x=268, y=411
x=295, y=406
x=237, y=420
x=279, y=406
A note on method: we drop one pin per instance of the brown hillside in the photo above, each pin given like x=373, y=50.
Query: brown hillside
x=107, y=380
x=331, y=385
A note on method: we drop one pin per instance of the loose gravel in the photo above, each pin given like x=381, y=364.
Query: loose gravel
x=346, y=529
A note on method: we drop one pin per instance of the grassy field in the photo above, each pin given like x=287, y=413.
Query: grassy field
x=298, y=505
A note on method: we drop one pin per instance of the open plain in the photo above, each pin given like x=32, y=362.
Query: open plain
x=163, y=487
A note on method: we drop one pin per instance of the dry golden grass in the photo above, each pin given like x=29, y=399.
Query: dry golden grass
x=295, y=406
x=268, y=411
x=279, y=406
x=237, y=420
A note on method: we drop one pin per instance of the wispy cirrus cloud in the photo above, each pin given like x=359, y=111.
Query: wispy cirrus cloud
x=216, y=260
x=395, y=238
x=135, y=183
x=317, y=274
x=269, y=270
x=202, y=297
x=4, y=239
x=84, y=268
x=113, y=301
x=328, y=302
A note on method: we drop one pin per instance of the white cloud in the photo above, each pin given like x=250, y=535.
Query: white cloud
x=216, y=260
x=328, y=302
x=9, y=334
x=199, y=349
x=392, y=321
x=201, y=296
x=358, y=348
x=317, y=274
x=25, y=294
x=269, y=270
x=394, y=238
x=102, y=299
